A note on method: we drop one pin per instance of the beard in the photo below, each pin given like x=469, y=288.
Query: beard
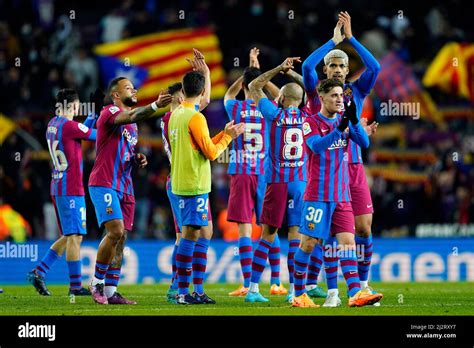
x=129, y=101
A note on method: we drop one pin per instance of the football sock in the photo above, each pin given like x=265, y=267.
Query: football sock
x=47, y=262
x=245, y=256
x=199, y=264
x=301, y=267
x=293, y=247
x=100, y=271
x=184, y=264
x=112, y=278
x=315, y=262
x=259, y=260
x=174, y=280
x=349, y=270
x=274, y=259
x=330, y=262
x=75, y=275
x=363, y=263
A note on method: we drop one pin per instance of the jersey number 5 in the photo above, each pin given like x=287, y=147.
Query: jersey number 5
x=257, y=144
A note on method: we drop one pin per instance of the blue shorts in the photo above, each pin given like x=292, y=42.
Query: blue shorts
x=193, y=210
x=283, y=199
x=322, y=219
x=71, y=214
x=110, y=204
x=174, y=202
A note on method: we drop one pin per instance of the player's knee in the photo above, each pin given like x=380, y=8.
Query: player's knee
x=363, y=227
x=116, y=234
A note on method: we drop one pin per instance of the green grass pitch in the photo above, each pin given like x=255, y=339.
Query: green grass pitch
x=399, y=299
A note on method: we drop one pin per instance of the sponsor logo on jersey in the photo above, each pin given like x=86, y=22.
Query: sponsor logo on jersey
x=114, y=109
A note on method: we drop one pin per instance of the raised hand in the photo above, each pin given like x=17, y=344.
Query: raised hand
x=163, y=99
x=288, y=64
x=346, y=21
x=253, y=57
x=234, y=130
x=199, y=62
x=369, y=129
x=338, y=36
x=351, y=111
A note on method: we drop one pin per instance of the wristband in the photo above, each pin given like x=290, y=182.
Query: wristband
x=154, y=106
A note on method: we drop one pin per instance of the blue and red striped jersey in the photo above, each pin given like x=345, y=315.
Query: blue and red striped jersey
x=350, y=90
x=115, y=149
x=286, y=155
x=328, y=178
x=64, y=143
x=247, y=153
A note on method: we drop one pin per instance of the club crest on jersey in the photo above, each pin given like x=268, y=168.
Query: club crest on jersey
x=306, y=128
x=204, y=216
x=84, y=224
x=109, y=210
x=348, y=92
x=311, y=226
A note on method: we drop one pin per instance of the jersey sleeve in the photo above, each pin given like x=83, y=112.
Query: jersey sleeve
x=268, y=109
x=229, y=107
x=200, y=133
x=314, y=138
x=75, y=130
x=110, y=113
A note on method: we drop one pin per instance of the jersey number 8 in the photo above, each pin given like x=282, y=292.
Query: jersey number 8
x=293, y=148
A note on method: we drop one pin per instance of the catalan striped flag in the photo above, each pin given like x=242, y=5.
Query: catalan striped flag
x=154, y=61
x=452, y=70
x=398, y=82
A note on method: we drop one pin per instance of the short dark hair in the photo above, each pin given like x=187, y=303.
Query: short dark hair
x=113, y=83
x=175, y=87
x=326, y=85
x=67, y=95
x=250, y=74
x=193, y=83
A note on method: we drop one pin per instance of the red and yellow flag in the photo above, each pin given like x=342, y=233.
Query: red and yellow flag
x=452, y=70
x=155, y=61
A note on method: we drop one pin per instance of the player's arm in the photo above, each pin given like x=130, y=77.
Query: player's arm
x=80, y=131
x=356, y=130
x=233, y=90
x=199, y=64
x=270, y=87
x=310, y=77
x=200, y=133
x=367, y=80
x=143, y=112
x=256, y=86
x=295, y=77
x=318, y=143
